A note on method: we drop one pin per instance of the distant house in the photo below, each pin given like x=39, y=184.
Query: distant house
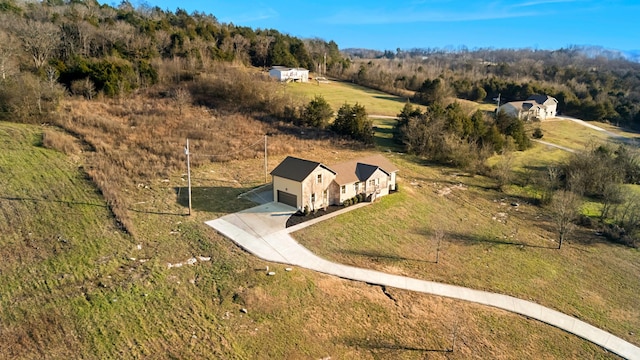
x=282, y=73
x=302, y=183
x=536, y=107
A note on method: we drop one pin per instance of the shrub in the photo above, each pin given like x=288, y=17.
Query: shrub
x=346, y=202
x=355, y=199
x=537, y=133
x=306, y=210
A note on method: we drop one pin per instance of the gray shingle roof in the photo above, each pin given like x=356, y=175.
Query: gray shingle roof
x=296, y=169
x=362, y=169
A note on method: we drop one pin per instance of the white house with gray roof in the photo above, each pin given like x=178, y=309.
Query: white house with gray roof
x=540, y=107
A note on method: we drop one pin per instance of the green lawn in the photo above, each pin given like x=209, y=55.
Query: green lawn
x=337, y=93
x=488, y=245
x=569, y=134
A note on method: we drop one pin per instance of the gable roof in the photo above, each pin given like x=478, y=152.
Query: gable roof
x=296, y=169
x=523, y=105
x=360, y=170
x=543, y=99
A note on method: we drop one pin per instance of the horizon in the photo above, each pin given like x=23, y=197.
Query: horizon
x=378, y=25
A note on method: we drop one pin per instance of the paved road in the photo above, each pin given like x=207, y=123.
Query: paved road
x=261, y=231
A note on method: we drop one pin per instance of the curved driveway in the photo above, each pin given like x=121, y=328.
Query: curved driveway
x=262, y=231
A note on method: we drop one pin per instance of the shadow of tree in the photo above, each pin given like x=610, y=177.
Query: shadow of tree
x=470, y=239
x=379, y=255
x=388, y=346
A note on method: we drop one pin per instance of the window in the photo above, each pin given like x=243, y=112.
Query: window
x=372, y=182
x=355, y=187
x=319, y=179
x=313, y=197
x=343, y=189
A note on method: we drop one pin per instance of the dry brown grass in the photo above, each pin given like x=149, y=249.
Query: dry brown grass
x=60, y=141
x=142, y=137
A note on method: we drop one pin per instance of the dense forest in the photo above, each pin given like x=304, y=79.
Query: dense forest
x=593, y=85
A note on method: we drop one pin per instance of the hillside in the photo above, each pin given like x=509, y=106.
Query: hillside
x=101, y=260
x=81, y=287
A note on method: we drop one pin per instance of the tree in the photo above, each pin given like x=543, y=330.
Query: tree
x=262, y=48
x=317, y=113
x=8, y=63
x=182, y=97
x=354, y=122
x=564, y=209
x=503, y=170
x=38, y=39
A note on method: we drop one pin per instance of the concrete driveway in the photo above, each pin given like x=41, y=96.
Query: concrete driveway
x=262, y=220
x=262, y=231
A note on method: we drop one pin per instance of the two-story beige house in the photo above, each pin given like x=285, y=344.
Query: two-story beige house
x=302, y=183
x=299, y=183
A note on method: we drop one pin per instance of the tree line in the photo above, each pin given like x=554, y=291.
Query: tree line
x=590, y=87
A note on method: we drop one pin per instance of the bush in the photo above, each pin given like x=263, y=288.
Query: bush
x=354, y=199
x=346, y=202
x=537, y=133
x=306, y=210
x=360, y=197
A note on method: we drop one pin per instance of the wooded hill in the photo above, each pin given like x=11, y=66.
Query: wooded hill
x=588, y=84
x=52, y=47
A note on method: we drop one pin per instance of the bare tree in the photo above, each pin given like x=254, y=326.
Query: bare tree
x=240, y=46
x=262, y=47
x=503, y=170
x=564, y=210
x=182, y=97
x=39, y=39
x=8, y=49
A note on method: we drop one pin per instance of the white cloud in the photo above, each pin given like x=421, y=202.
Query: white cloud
x=250, y=17
x=413, y=15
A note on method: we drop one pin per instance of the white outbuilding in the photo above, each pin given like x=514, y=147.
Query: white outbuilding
x=283, y=73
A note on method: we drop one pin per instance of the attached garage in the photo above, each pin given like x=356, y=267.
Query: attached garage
x=287, y=198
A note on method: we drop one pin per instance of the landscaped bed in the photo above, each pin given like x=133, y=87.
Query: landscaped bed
x=300, y=217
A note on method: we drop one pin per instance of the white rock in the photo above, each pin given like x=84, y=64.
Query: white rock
x=271, y=273
x=192, y=261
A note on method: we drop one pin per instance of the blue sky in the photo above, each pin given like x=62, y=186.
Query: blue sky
x=383, y=24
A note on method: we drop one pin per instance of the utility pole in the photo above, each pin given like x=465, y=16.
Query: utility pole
x=265, y=160
x=186, y=152
x=324, y=72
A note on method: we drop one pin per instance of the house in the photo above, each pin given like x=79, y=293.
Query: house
x=540, y=107
x=282, y=73
x=302, y=183
x=373, y=176
x=299, y=183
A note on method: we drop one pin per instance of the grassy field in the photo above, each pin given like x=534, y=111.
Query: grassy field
x=488, y=244
x=73, y=285
x=376, y=102
x=568, y=134
x=337, y=93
